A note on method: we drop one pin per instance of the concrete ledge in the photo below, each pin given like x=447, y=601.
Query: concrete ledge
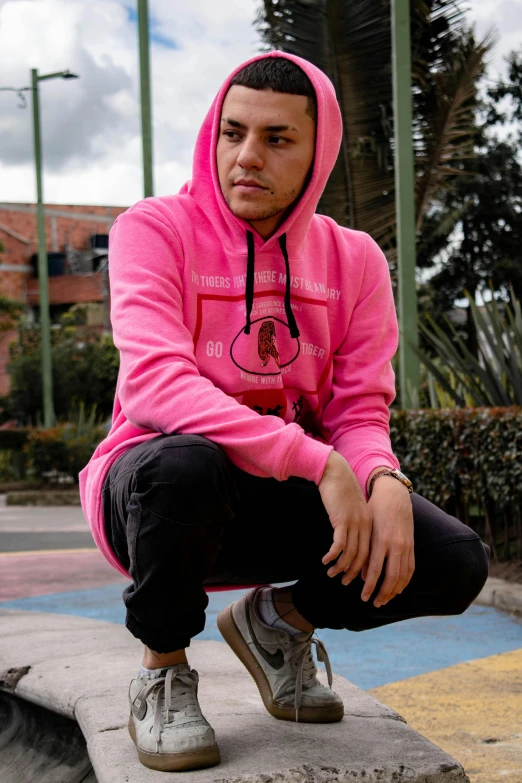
x=47, y=497
x=502, y=595
x=81, y=669
x=39, y=745
x=19, y=486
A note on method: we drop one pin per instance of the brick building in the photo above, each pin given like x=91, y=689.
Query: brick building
x=77, y=250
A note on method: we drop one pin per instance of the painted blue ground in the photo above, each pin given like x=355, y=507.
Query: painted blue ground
x=367, y=659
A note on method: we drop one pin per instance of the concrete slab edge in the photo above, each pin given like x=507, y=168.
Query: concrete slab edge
x=501, y=594
x=43, y=498
x=373, y=744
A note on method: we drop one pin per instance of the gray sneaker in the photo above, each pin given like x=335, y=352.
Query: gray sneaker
x=282, y=666
x=166, y=723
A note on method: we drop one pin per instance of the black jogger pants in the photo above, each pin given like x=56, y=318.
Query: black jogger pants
x=179, y=515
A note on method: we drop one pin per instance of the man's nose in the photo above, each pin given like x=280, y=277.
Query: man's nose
x=250, y=154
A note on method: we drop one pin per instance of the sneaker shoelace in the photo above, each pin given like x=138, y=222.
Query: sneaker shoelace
x=172, y=697
x=300, y=652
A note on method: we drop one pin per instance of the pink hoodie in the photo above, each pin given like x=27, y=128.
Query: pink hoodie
x=216, y=326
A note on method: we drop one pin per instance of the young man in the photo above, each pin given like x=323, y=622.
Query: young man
x=250, y=438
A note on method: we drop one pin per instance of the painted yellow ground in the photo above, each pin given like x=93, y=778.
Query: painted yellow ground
x=472, y=710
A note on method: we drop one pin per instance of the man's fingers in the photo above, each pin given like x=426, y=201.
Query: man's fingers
x=407, y=571
x=339, y=543
x=363, y=548
x=404, y=577
x=349, y=552
x=373, y=571
x=393, y=573
x=412, y=562
x=333, y=554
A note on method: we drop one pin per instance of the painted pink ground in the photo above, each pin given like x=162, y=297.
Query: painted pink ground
x=23, y=576
x=41, y=573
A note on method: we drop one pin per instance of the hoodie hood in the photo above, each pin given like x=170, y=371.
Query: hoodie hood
x=205, y=188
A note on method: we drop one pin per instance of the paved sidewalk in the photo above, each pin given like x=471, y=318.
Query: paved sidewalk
x=506, y=596
x=473, y=711
x=24, y=528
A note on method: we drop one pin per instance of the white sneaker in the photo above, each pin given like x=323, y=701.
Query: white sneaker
x=282, y=666
x=166, y=723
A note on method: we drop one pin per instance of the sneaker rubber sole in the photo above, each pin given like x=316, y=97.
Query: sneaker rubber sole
x=172, y=762
x=233, y=637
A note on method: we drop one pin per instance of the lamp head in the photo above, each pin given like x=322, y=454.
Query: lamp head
x=69, y=75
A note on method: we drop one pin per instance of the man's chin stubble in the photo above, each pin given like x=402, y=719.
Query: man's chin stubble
x=254, y=217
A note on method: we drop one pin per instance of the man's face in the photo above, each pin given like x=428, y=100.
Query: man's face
x=264, y=152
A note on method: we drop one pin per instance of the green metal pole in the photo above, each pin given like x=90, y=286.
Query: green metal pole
x=43, y=280
x=146, y=109
x=405, y=202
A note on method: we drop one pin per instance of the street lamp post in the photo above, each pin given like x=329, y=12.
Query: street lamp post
x=405, y=202
x=145, y=92
x=43, y=272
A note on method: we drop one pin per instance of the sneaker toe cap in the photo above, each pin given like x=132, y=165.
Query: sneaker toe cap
x=319, y=696
x=316, y=696
x=178, y=740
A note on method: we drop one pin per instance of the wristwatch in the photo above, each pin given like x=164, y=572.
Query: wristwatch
x=391, y=472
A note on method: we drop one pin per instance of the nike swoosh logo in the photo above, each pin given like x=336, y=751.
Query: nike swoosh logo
x=275, y=660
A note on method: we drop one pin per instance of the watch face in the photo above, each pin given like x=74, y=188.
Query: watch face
x=403, y=478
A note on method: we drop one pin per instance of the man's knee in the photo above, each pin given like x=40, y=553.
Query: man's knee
x=464, y=566
x=189, y=479
x=188, y=459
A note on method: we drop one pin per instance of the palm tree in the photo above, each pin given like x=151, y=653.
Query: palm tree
x=350, y=40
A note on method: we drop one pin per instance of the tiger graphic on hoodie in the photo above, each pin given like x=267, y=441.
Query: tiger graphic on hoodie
x=266, y=346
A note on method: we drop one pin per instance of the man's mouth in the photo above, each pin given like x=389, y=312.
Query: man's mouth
x=248, y=185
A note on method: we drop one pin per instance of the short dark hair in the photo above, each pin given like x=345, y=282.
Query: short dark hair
x=280, y=75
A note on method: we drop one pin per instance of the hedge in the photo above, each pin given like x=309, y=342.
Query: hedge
x=469, y=463
x=13, y=439
x=12, y=458
x=48, y=454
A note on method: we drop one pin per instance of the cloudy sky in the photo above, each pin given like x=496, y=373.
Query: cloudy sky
x=91, y=126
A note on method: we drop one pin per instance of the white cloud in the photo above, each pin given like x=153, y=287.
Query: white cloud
x=506, y=18
x=91, y=128
x=80, y=122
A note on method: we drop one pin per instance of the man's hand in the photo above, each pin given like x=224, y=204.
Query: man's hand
x=350, y=517
x=392, y=538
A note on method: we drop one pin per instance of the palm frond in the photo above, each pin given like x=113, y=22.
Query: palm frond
x=446, y=132
x=350, y=40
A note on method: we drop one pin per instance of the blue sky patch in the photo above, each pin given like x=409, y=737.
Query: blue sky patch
x=155, y=34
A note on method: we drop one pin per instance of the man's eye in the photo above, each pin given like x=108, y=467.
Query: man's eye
x=231, y=134
x=276, y=139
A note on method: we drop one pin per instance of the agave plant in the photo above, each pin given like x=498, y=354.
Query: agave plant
x=494, y=377
x=440, y=398
x=351, y=41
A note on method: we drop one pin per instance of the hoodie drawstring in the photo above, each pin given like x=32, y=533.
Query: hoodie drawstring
x=294, y=331
x=249, y=293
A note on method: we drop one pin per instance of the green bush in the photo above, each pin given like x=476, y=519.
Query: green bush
x=13, y=439
x=12, y=458
x=85, y=370
x=61, y=452
x=467, y=461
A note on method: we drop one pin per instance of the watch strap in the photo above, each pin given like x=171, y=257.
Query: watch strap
x=388, y=472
